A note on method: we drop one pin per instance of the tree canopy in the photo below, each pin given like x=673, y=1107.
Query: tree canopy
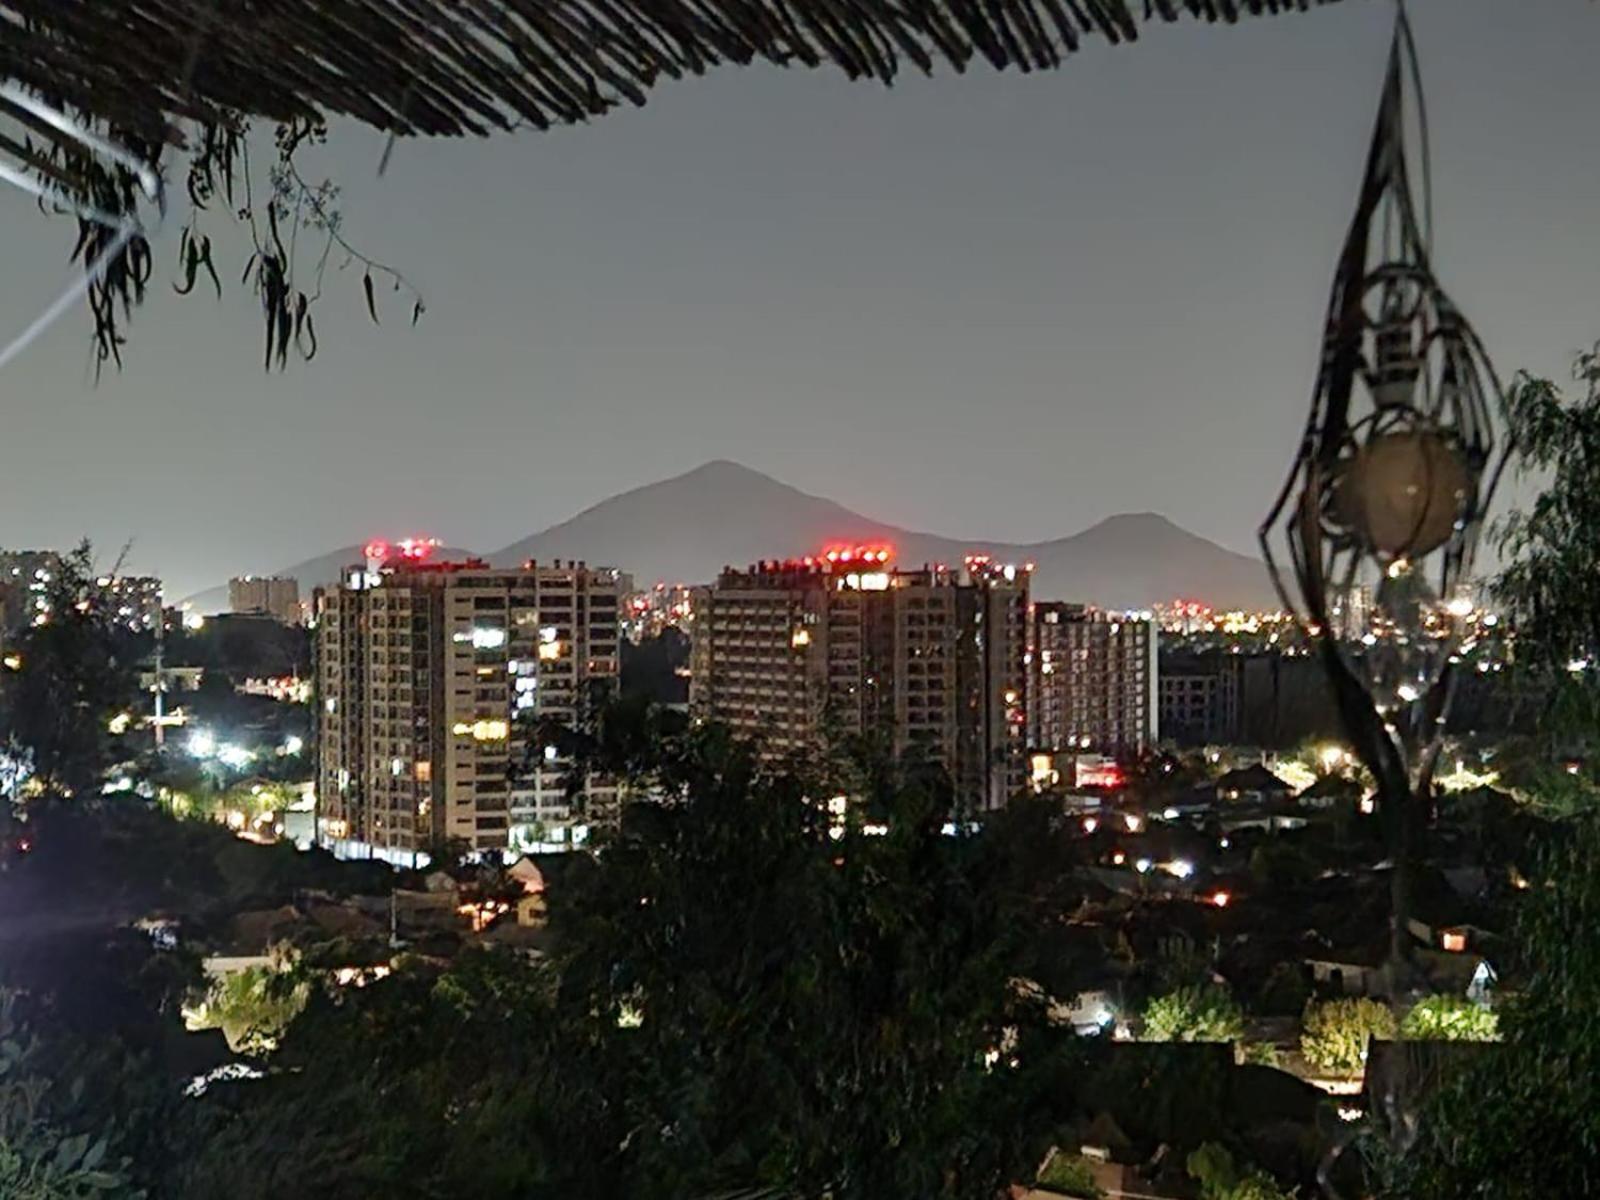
x=1522, y=1119
x=1194, y=1014
x=1335, y=1033
x=63, y=681
x=734, y=998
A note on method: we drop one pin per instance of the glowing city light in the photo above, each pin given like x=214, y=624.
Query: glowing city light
x=234, y=757
x=863, y=555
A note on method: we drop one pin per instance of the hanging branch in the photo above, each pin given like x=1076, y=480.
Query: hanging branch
x=147, y=71
x=291, y=206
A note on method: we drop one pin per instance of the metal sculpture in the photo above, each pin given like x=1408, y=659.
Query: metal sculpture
x=1371, y=540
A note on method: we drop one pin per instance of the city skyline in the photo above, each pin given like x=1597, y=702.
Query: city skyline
x=746, y=665
x=1107, y=315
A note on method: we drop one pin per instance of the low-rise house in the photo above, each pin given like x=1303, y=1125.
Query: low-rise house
x=1254, y=784
x=1090, y=1013
x=1353, y=968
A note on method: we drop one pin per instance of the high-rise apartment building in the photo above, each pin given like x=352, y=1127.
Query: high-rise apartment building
x=803, y=652
x=26, y=576
x=135, y=599
x=266, y=595
x=434, y=681
x=28, y=580
x=1092, y=679
x=1200, y=697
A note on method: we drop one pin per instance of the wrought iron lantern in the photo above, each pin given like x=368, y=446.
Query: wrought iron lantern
x=1371, y=540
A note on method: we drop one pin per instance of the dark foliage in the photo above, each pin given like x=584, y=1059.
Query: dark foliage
x=1522, y=1119
x=1553, y=555
x=1552, y=552
x=650, y=668
x=736, y=999
x=65, y=680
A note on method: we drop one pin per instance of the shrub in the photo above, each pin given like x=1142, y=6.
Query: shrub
x=1334, y=1034
x=1256, y=1054
x=1071, y=1176
x=1193, y=1014
x=1450, y=1019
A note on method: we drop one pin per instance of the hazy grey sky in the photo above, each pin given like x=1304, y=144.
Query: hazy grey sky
x=996, y=305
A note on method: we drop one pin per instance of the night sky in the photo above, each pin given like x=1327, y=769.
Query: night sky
x=996, y=305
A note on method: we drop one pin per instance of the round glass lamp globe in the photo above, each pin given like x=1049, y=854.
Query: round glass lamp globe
x=1405, y=493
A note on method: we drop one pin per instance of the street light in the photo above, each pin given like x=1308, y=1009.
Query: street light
x=1379, y=518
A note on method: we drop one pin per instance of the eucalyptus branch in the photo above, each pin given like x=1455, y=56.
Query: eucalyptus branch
x=330, y=221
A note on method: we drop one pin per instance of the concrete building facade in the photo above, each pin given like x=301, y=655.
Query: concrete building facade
x=1200, y=698
x=1093, y=680
x=802, y=653
x=266, y=595
x=29, y=582
x=436, y=688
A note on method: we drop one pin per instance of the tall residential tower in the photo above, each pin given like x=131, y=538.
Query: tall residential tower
x=434, y=682
x=1092, y=680
x=802, y=653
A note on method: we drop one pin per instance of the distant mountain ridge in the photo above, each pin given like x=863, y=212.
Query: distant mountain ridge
x=688, y=527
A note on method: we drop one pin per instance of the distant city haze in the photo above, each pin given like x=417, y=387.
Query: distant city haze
x=991, y=306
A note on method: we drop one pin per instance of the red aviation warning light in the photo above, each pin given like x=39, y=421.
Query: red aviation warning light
x=856, y=554
x=411, y=549
x=418, y=549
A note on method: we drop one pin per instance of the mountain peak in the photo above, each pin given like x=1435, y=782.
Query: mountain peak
x=1138, y=520
x=686, y=528
x=722, y=468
